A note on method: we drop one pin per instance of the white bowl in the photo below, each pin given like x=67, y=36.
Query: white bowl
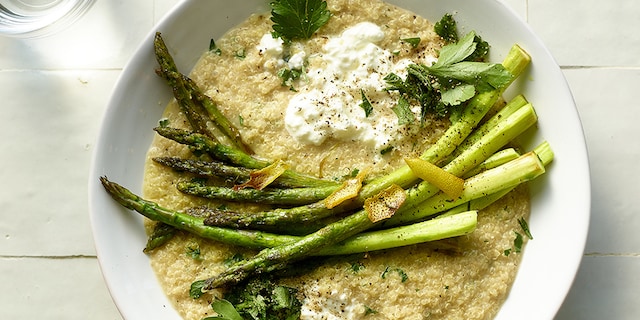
x=560, y=199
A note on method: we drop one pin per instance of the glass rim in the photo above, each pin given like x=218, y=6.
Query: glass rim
x=34, y=26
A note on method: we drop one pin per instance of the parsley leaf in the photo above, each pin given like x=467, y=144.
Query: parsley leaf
x=455, y=78
x=403, y=112
x=368, y=311
x=225, y=311
x=356, y=267
x=195, y=291
x=518, y=242
x=458, y=94
x=298, y=19
x=525, y=227
x=214, y=48
x=366, y=104
x=455, y=52
x=194, y=252
x=403, y=275
x=451, y=64
x=260, y=298
x=446, y=28
x=414, y=42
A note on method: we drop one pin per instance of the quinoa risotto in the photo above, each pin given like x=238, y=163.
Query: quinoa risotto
x=468, y=277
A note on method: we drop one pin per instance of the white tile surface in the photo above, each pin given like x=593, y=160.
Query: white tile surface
x=607, y=105
x=606, y=288
x=47, y=261
x=62, y=288
x=47, y=140
x=588, y=32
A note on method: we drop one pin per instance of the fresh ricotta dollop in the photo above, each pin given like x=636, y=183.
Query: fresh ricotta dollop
x=328, y=101
x=329, y=105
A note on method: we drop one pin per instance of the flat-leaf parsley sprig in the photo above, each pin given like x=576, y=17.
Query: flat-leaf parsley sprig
x=457, y=76
x=298, y=19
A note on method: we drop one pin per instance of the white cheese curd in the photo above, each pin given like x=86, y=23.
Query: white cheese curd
x=332, y=306
x=270, y=46
x=328, y=103
x=296, y=61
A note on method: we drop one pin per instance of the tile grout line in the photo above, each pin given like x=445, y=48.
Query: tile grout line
x=61, y=257
x=614, y=255
x=61, y=69
x=577, y=67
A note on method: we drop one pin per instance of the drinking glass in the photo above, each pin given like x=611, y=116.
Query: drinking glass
x=35, y=18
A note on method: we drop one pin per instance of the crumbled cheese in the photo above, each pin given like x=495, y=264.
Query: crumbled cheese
x=327, y=104
x=270, y=46
x=334, y=306
x=296, y=61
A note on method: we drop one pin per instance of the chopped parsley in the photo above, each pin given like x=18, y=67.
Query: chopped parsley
x=195, y=291
x=163, y=123
x=518, y=242
x=260, y=298
x=386, y=150
x=298, y=19
x=214, y=48
x=368, y=311
x=403, y=276
x=356, y=267
x=289, y=75
x=403, y=111
x=366, y=104
x=455, y=78
x=414, y=42
x=225, y=311
x=447, y=28
x=194, y=252
x=525, y=228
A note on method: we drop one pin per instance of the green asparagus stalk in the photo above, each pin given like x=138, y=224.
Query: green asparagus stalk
x=496, y=138
x=498, y=158
x=200, y=110
x=180, y=92
x=431, y=230
x=161, y=233
x=507, y=176
x=205, y=168
x=544, y=153
x=287, y=197
x=216, y=169
x=222, y=122
x=194, y=225
x=365, y=242
x=234, y=156
x=512, y=106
